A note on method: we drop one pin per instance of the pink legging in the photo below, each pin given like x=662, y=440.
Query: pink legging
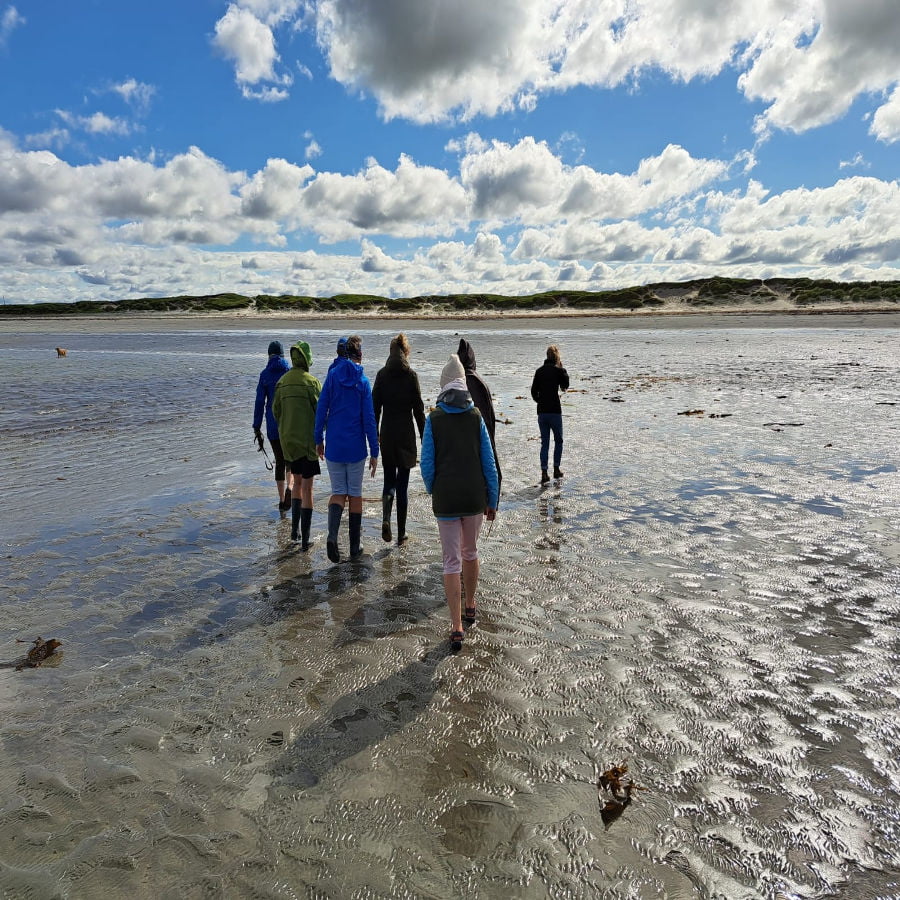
x=459, y=539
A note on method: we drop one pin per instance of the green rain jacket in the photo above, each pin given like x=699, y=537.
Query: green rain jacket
x=294, y=406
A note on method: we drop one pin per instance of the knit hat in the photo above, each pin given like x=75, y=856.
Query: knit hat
x=342, y=347
x=275, y=349
x=453, y=371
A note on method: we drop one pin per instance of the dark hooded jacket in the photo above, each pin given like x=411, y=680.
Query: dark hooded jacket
x=398, y=401
x=265, y=394
x=294, y=406
x=481, y=395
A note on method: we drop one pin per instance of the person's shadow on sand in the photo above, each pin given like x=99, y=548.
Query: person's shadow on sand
x=400, y=606
x=359, y=720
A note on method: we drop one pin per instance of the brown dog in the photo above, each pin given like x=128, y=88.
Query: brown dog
x=61, y=352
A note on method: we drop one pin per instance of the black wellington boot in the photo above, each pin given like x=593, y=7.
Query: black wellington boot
x=295, y=518
x=402, y=536
x=335, y=511
x=305, y=524
x=387, y=504
x=355, y=535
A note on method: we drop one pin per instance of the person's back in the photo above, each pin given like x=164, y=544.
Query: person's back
x=399, y=411
x=296, y=397
x=481, y=396
x=345, y=424
x=276, y=367
x=346, y=413
x=459, y=471
x=549, y=379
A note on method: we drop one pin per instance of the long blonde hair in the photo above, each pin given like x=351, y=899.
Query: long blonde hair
x=553, y=355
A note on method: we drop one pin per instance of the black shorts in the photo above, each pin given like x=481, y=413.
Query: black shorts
x=305, y=468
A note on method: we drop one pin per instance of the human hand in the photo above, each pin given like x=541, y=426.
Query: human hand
x=373, y=465
x=490, y=514
x=320, y=451
x=257, y=436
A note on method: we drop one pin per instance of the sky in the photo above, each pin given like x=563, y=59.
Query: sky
x=414, y=147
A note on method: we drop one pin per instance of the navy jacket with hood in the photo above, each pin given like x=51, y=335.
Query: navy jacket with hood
x=265, y=393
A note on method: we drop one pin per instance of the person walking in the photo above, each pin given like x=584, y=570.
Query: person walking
x=548, y=381
x=294, y=407
x=399, y=410
x=460, y=473
x=265, y=393
x=481, y=397
x=346, y=416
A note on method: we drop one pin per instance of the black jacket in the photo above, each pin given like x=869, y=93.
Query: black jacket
x=481, y=395
x=398, y=401
x=548, y=381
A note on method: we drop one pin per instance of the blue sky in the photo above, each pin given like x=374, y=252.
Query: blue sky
x=404, y=147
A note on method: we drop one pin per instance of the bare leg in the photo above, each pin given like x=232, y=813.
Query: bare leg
x=306, y=492
x=280, y=486
x=451, y=592
x=470, y=572
x=356, y=504
x=339, y=499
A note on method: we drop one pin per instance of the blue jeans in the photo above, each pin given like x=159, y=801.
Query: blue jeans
x=548, y=422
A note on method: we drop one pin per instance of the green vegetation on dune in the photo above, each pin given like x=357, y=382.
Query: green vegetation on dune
x=715, y=293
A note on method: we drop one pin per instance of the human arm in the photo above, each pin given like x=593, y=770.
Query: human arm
x=376, y=398
x=322, y=404
x=369, y=424
x=489, y=469
x=418, y=407
x=563, y=379
x=535, y=388
x=259, y=407
x=426, y=463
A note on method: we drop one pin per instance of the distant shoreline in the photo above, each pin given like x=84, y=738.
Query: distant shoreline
x=715, y=295
x=730, y=317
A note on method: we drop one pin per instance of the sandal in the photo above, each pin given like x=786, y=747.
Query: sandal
x=469, y=615
x=456, y=641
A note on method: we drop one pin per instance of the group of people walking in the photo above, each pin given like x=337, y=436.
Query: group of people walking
x=348, y=423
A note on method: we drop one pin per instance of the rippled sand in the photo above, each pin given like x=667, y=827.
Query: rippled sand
x=712, y=597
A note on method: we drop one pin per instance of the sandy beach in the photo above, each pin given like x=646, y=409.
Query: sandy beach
x=711, y=597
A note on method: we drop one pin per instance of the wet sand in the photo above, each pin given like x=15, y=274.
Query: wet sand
x=714, y=598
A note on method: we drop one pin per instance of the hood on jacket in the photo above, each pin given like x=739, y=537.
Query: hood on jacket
x=301, y=355
x=277, y=365
x=397, y=361
x=466, y=355
x=347, y=373
x=455, y=400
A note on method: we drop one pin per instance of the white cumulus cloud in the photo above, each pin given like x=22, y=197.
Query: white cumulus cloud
x=886, y=121
x=10, y=19
x=250, y=44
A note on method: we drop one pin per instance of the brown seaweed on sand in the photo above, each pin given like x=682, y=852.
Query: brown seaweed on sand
x=614, y=792
x=38, y=653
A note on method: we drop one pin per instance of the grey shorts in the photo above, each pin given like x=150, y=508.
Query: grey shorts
x=346, y=478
